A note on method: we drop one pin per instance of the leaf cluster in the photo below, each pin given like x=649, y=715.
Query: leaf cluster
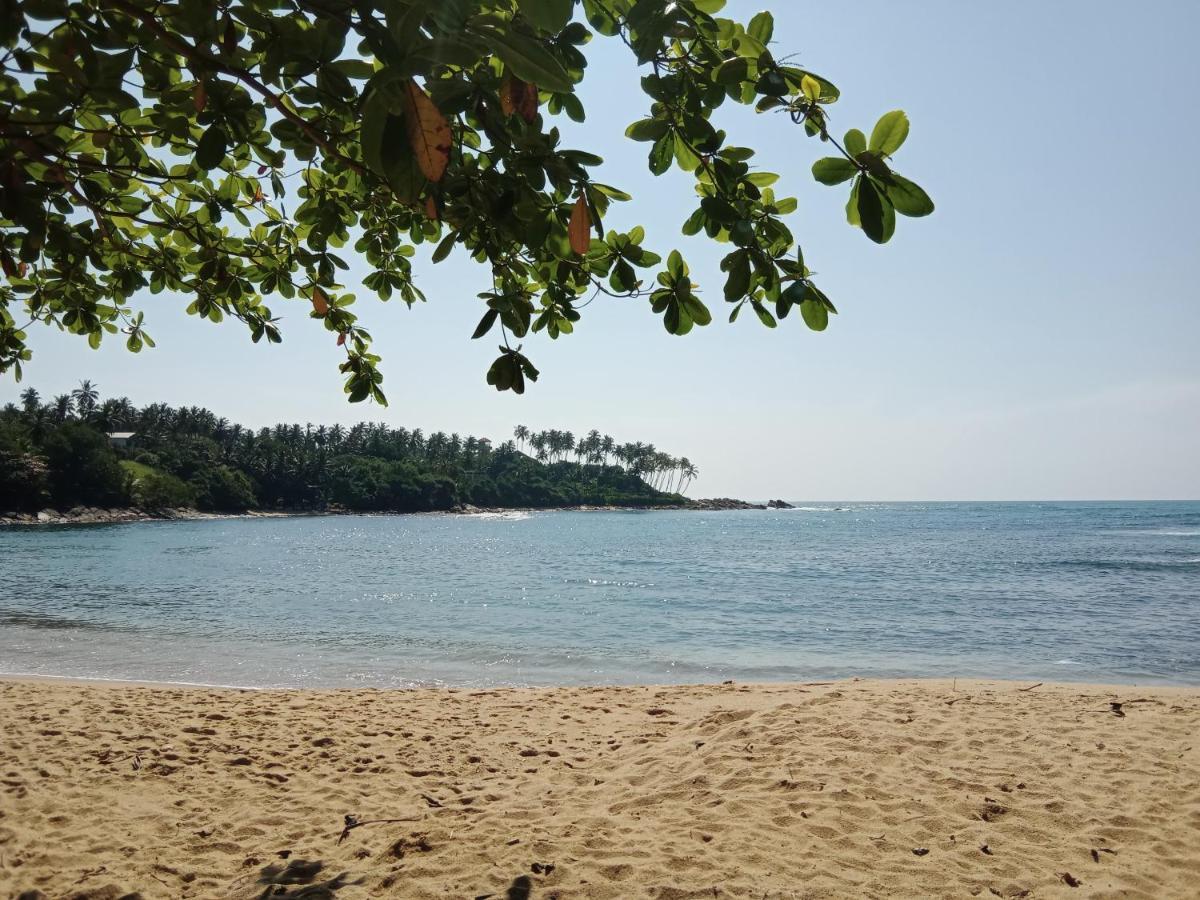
x=235, y=154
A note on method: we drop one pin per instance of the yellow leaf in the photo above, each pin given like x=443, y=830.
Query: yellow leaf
x=428, y=132
x=580, y=230
x=811, y=88
x=319, y=301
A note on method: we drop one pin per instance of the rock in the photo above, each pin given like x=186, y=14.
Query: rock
x=721, y=503
x=779, y=504
x=47, y=515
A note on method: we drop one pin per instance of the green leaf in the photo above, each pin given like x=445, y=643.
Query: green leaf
x=647, y=129
x=833, y=170
x=685, y=156
x=889, y=215
x=855, y=142
x=761, y=27
x=908, y=197
x=485, y=324
x=548, y=15
x=211, y=148
x=676, y=319
x=444, y=248
x=889, y=133
x=772, y=84
x=697, y=310
x=852, y=205
x=738, y=281
x=374, y=122
x=529, y=60
x=662, y=152
x=732, y=71
x=503, y=373
x=676, y=265
x=870, y=211
x=815, y=315
x=764, y=314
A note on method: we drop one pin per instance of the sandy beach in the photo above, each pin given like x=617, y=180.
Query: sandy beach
x=846, y=789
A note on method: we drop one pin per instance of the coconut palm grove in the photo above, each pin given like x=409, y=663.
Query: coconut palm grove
x=78, y=450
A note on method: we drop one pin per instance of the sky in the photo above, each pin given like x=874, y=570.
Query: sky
x=1038, y=337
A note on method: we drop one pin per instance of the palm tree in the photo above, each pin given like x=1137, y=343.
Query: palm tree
x=61, y=408
x=608, y=447
x=521, y=433
x=30, y=399
x=689, y=472
x=85, y=396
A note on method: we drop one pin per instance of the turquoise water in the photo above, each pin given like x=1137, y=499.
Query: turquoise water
x=1083, y=592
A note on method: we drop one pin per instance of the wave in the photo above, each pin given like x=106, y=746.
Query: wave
x=609, y=582
x=1129, y=565
x=1162, y=532
x=514, y=515
x=50, y=621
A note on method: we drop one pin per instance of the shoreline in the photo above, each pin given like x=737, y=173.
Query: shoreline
x=122, y=516
x=954, y=685
x=863, y=788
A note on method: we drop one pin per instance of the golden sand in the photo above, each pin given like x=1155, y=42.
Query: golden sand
x=850, y=789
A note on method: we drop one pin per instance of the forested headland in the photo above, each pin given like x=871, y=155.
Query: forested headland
x=58, y=453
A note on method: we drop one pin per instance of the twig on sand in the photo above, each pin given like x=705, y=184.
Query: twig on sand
x=352, y=823
x=1032, y=686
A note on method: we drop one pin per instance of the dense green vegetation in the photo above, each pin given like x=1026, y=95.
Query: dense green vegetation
x=59, y=454
x=233, y=155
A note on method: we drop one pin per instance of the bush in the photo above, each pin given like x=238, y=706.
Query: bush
x=153, y=490
x=83, y=469
x=222, y=489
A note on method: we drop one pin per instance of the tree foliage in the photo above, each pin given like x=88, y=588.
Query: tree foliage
x=236, y=153
x=190, y=456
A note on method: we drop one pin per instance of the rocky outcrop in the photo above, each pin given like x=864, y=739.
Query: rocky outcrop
x=779, y=504
x=721, y=503
x=91, y=515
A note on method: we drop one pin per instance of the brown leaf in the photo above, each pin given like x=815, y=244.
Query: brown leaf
x=517, y=96
x=580, y=230
x=319, y=301
x=1071, y=880
x=431, y=210
x=200, y=96
x=428, y=132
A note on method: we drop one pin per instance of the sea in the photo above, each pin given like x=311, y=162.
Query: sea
x=1085, y=592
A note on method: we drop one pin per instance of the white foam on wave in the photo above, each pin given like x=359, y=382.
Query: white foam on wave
x=1067, y=662
x=515, y=515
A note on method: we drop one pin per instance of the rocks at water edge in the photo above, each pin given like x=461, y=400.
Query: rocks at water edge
x=779, y=504
x=721, y=503
x=91, y=515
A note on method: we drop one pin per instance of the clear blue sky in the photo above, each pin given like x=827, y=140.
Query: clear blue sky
x=1038, y=337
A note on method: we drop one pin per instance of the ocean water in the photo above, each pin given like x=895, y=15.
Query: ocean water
x=1102, y=592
